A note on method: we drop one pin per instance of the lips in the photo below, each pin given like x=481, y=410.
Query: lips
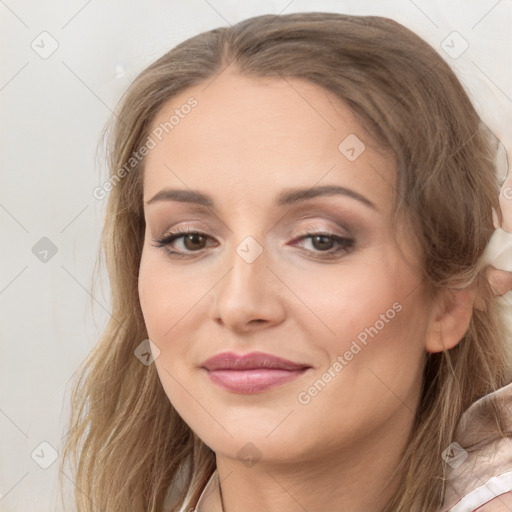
x=252, y=361
x=251, y=373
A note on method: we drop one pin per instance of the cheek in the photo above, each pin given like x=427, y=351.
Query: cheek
x=166, y=295
x=374, y=344
x=363, y=300
x=165, y=299
x=374, y=368
x=152, y=297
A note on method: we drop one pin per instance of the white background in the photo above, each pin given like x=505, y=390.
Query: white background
x=52, y=112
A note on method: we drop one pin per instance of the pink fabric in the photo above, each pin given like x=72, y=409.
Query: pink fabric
x=479, y=463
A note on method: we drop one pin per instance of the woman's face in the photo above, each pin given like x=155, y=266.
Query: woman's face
x=347, y=305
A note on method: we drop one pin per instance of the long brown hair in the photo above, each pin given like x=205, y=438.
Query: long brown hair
x=128, y=446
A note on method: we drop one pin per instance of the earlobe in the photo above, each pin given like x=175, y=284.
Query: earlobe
x=450, y=319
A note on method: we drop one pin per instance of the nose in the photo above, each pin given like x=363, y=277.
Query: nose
x=249, y=295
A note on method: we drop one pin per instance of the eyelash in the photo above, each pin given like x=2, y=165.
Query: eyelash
x=346, y=244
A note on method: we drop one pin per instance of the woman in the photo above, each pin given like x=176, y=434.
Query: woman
x=298, y=218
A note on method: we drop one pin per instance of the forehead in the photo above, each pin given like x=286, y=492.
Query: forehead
x=251, y=137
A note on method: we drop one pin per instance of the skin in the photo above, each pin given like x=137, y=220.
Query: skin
x=244, y=143
x=502, y=503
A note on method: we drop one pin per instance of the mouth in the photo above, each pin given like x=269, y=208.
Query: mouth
x=251, y=373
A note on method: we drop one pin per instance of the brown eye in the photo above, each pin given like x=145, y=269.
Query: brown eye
x=322, y=242
x=191, y=241
x=194, y=241
x=325, y=245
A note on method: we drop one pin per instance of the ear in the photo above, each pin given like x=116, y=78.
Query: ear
x=450, y=317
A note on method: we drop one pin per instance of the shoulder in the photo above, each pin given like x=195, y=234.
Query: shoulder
x=478, y=469
x=474, y=492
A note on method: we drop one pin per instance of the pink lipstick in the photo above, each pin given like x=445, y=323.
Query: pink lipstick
x=251, y=373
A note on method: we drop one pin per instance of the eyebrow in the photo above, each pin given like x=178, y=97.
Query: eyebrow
x=286, y=197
